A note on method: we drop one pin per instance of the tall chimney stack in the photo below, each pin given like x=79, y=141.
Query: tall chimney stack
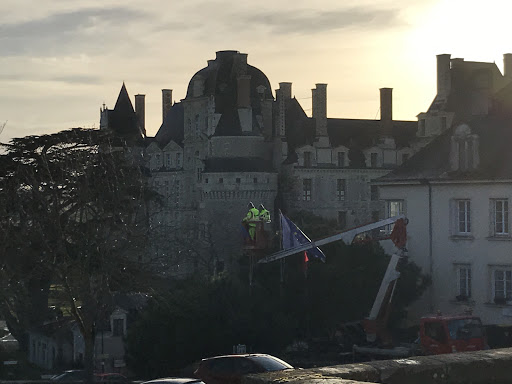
x=166, y=102
x=386, y=109
x=319, y=112
x=140, y=112
x=386, y=104
x=443, y=74
x=507, y=65
x=282, y=94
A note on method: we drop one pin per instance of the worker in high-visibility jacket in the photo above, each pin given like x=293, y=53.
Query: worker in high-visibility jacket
x=264, y=214
x=252, y=217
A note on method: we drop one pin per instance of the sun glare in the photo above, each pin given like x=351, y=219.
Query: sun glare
x=475, y=31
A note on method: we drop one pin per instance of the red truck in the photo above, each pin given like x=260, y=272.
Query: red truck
x=446, y=334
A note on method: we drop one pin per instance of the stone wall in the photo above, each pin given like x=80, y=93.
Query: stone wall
x=492, y=366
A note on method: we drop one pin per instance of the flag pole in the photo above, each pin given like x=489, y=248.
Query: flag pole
x=281, y=264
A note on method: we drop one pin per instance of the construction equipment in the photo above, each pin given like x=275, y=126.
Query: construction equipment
x=438, y=334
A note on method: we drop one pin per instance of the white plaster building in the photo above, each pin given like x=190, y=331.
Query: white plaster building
x=456, y=193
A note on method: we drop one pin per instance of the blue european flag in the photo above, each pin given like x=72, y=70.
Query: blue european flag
x=293, y=237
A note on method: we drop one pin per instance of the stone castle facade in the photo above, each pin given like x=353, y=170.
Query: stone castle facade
x=231, y=141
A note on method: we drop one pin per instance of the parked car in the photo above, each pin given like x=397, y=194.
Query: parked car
x=70, y=375
x=174, y=380
x=73, y=375
x=105, y=378
x=229, y=369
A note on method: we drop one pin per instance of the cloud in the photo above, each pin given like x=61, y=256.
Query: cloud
x=65, y=32
x=314, y=22
x=70, y=79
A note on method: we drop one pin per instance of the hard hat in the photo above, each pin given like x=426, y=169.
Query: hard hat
x=251, y=205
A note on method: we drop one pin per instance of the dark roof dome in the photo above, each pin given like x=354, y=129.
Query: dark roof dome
x=220, y=78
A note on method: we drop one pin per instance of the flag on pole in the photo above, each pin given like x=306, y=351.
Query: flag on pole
x=293, y=237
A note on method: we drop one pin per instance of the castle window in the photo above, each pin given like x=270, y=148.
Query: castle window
x=221, y=180
x=198, y=174
x=340, y=189
x=306, y=189
x=255, y=180
x=206, y=180
x=307, y=159
x=178, y=160
x=238, y=180
x=341, y=159
x=405, y=157
x=373, y=160
x=168, y=160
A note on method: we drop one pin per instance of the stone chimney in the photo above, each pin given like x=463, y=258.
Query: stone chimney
x=166, y=102
x=140, y=111
x=386, y=104
x=507, y=65
x=243, y=91
x=286, y=90
x=319, y=112
x=443, y=75
x=386, y=109
x=242, y=63
x=282, y=94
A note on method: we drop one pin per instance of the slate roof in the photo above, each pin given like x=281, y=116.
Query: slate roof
x=229, y=123
x=237, y=164
x=220, y=79
x=360, y=133
x=173, y=127
x=122, y=119
x=351, y=133
x=464, y=82
x=433, y=162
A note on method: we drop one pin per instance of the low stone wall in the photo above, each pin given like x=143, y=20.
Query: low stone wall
x=492, y=366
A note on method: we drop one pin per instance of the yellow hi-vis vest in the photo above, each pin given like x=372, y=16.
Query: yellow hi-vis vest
x=252, y=216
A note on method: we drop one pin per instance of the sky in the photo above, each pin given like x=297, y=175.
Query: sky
x=60, y=60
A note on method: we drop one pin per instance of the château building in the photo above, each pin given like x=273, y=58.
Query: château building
x=232, y=140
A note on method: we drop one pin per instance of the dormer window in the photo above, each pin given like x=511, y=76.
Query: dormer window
x=307, y=159
x=464, y=149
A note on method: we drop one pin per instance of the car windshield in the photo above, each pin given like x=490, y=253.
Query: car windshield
x=465, y=329
x=270, y=364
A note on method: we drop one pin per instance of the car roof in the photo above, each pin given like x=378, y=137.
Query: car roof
x=449, y=317
x=174, y=380
x=241, y=355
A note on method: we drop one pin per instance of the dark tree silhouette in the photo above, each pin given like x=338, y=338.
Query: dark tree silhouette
x=72, y=214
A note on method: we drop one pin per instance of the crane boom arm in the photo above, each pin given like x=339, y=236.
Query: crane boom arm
x=347, y=237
